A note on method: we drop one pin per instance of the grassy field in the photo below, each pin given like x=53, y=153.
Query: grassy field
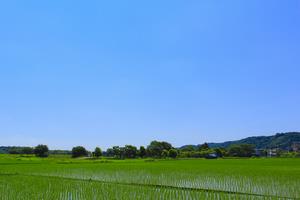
x=65, y=178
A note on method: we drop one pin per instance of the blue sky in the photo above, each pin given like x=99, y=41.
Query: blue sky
x=103, y=73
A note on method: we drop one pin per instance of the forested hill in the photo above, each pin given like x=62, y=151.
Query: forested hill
x=280, y=140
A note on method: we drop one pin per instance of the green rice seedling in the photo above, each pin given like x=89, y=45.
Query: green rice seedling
x=173, y=179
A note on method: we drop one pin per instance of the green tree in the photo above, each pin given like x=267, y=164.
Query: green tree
x=166, y=145
x=241, y=150
x=117, y=151
x=188, y=148
x=220, y=152
x=203, y=147
x=173, y=153
x=97, y=153
x=14, y=150
x=142, y=152
x=109, y=152
x=130, y=151
x=164, y=153
x=79, y=151
x=155, y=148
x=41, y=150
x=27, y=150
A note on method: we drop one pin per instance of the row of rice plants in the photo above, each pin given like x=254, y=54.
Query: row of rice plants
x=18, y=187
x=270, y=177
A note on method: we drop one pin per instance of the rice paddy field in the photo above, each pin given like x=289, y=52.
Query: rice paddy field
x=30, y=178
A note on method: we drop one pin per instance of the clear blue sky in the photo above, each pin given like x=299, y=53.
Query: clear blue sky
x=103, y=73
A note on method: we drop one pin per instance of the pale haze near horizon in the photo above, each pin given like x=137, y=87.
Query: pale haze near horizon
x=115, y=73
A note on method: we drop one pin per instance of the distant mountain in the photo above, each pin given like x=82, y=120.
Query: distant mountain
x=279, y=140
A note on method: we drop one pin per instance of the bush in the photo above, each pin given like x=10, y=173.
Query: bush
x=79, y=151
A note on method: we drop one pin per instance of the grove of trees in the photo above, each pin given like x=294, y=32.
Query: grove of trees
x=21, y=150
x=241, y=150
x=156, y=149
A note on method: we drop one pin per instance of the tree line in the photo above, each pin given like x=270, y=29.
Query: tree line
x=156, y=149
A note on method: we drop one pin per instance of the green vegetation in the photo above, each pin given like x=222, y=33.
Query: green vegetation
x=97, y=153
x=79, y=151
x=61, y=177
x=21, y=150
x=158, y=171
x=41, y=150
x=172, y=153
x=161, y=149
x=241, y=150
x=142, y=152
x=279, y=140
x=156, y=148
x=279, y=145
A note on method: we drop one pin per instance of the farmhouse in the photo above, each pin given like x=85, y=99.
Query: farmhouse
x=272, y=152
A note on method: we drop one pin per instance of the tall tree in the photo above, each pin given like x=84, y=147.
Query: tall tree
x=97, y=153
x=142, y=152
x=117, y=151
